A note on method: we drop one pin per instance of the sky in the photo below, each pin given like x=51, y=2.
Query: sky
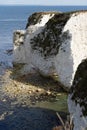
x=43, y=2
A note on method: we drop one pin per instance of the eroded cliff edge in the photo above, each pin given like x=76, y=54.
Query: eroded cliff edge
x=56, y=43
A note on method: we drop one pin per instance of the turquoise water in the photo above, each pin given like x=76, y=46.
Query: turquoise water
x=59, y=104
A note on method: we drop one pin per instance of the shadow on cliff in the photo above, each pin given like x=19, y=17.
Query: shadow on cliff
x=24, y=118
x=39, y=81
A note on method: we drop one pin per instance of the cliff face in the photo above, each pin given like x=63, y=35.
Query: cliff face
x=33, y=55
x=50, y=37
x=57, y=43
x=73, y=50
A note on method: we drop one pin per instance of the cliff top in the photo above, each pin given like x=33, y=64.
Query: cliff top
x=36, y=17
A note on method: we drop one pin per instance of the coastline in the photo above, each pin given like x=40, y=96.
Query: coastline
x=19, y=100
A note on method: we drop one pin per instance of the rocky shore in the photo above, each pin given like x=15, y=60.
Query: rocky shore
x=20, y=98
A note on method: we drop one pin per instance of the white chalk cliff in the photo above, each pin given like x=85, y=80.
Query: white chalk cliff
x=24, y=53
x=72, y=51
x=56, y=43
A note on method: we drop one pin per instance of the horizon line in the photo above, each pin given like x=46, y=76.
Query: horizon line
x=36, y=5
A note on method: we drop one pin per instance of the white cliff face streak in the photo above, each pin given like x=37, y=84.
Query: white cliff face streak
x=74, y=50
x=78, y=29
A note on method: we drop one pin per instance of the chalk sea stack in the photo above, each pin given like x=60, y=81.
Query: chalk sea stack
x=56, y=43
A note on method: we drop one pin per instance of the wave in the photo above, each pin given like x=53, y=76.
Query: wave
x=11, y=20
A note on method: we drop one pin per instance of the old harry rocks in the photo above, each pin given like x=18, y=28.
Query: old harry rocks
x=56, y=43
x=52, y=43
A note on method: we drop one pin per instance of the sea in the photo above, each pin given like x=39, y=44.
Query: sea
x=12, y=114
x=15, y=17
